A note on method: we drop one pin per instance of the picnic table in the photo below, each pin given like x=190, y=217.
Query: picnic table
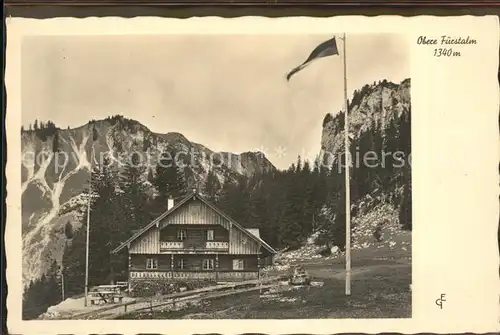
x=114, y=288
x=105, y=294
x=122, y=284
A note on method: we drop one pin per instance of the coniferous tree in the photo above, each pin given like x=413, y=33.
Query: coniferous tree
x=235, y=199
x=405, y=210
x=53, y=285
x=258, y=210
x=309, y=200
x=339, y=228
x=151, y=177
x=33, y=299
x=134, y=199
x=169, y=181
x=325, y=226
x=74, y=263
x=41, y=294
x=95, y=134
x=316, y=166
x=328, y=118
x=146, y=144
x=107, y=230
x=55, y=142
x=68, y=230
x=291, y=230
x=367, y=163
x=298, y=167
x=336, y=205
x=212, y=186
x=378, y=172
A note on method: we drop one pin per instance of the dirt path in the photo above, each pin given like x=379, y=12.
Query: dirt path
x=326, y=271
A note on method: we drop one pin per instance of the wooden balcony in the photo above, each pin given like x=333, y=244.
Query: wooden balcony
x=237, y=275
x=217, y=245
x=194, y=246
x=197, y=275
x=171, y=245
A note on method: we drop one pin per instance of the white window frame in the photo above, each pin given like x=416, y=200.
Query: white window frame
x=209, y=237
x=182, y=234
x=208, y=264
x=238, y=264
x=151, y=264
x=182, y=264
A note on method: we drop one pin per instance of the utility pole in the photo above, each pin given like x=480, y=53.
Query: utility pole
x=88, y=232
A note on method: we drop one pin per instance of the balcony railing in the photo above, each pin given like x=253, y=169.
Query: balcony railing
x=171, y=245
x=221, y=276
x=217, y=245
x=209, y=245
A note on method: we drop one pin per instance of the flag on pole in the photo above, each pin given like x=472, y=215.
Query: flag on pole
x=327, y=48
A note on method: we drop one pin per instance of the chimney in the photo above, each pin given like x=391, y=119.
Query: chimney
x=170, y=203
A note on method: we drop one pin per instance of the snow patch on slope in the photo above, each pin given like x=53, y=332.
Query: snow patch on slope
x=39, y=236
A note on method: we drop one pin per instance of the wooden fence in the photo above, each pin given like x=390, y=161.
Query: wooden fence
x=141, y=304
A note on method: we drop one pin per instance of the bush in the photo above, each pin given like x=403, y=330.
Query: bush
x=149, y=288
x=325, y=252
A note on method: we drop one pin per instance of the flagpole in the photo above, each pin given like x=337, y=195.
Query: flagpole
x=347, y=180
x=88, y=232
x=329, y=48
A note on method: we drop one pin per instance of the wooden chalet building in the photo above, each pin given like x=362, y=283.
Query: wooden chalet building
x=194, y=240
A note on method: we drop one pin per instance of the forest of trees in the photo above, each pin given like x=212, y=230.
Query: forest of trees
x=42, y=293
x=285, y=205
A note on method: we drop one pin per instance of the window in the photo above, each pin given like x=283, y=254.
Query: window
x=209, y=235
x=195, y=209
x=181, y=264
x=208, y=264
x=238, y=264
x=151, y=264
x=181, y=234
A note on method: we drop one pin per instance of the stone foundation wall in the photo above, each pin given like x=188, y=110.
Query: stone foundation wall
x=151, y=287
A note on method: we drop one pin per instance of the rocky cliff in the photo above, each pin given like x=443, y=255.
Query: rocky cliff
x=377, y=113
x=376, y=104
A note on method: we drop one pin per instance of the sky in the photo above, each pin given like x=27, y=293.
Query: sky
x=227, y=92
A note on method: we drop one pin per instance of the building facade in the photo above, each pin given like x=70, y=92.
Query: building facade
x=194, y=240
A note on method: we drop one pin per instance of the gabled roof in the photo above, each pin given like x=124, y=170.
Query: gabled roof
x=251, y=232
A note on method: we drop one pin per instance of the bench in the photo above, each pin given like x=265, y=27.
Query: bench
x=106, y=297
x=107, y=288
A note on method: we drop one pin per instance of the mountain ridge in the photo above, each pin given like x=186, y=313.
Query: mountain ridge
x=376, y=104
x=55, y=169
